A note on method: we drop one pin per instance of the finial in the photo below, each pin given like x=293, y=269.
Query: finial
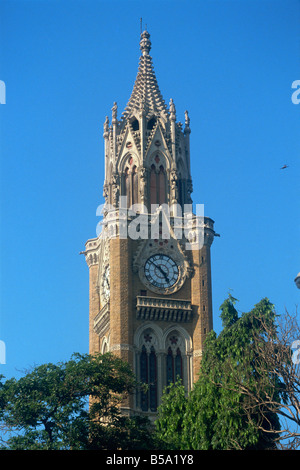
x=187, y=129
x=187, y=119
x=114, y=113
x=172, y=110
x=106, y=127
x=145, y=43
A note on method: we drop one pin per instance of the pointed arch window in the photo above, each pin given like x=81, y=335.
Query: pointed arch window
x=157, y=188
x=144, y=378
x=148, y=376
x=178, y=364
x=170, y=367
x=173, y=365
x=161, y=186
x=126, y=191
x=134, y=186
x=153, y=189
x=130, y=183
x=152, y=380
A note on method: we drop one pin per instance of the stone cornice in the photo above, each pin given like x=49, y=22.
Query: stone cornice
x=163, y=309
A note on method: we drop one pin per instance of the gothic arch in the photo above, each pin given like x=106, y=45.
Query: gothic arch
x=147, y=366
x=129, y=178
x=105, y=345
x=178, y=356
x=159, y=358
x=163, y=159
x=184, y=335
x=123, y=162
x=142, y=329
x=158, y=179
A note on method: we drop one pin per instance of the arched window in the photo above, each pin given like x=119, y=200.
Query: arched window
x=148, y=374
x=157, y=185
x=161, y=186
x=130, y=183
x=127, y=185
x=178, y=364
x=134, y=186
x=152, y=380
x=153, y=189
x=170, y=367
x=174, y=366
x=144, y=378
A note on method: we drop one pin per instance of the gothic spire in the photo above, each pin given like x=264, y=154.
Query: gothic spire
x=145, y=91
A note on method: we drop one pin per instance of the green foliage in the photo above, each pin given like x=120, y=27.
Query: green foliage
x=215, y=414
x=229, y=315
x=72, y=405
x=170, y=415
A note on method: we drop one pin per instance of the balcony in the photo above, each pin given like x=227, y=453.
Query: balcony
x=162, y=309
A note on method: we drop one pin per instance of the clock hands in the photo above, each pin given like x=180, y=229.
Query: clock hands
x=161, y=270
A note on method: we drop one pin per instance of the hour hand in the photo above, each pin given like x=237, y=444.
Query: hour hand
x=163, y=272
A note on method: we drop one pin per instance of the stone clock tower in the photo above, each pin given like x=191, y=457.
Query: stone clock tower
x=150, y=269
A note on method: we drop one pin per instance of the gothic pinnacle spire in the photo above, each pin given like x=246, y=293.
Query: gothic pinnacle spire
x=146, y=89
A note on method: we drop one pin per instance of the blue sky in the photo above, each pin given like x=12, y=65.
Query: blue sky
x=231, y=64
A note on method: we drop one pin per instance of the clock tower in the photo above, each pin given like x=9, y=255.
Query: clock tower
x=149, y=266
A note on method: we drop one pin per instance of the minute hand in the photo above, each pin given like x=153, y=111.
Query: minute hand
x=162, y=271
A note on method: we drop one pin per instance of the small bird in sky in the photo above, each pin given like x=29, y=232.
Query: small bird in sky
x=283, y=167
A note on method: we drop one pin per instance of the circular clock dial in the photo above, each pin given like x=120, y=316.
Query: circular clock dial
x=161, y=271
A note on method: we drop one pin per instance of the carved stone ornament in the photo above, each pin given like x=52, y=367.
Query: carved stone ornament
x=104, y=254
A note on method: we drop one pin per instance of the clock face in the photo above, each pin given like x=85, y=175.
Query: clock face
x=106, y=283
x=161, y=271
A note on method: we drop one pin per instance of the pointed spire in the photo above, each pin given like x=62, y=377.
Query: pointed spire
x=146, y=88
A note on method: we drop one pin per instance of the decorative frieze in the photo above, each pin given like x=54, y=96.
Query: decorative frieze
x=163, y=309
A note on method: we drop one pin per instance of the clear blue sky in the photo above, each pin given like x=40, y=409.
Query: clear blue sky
x=229, y=63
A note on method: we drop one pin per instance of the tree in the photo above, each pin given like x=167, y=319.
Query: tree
x=277, y=385
x=72, y=405
x=169, y=425
x=215, y=414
